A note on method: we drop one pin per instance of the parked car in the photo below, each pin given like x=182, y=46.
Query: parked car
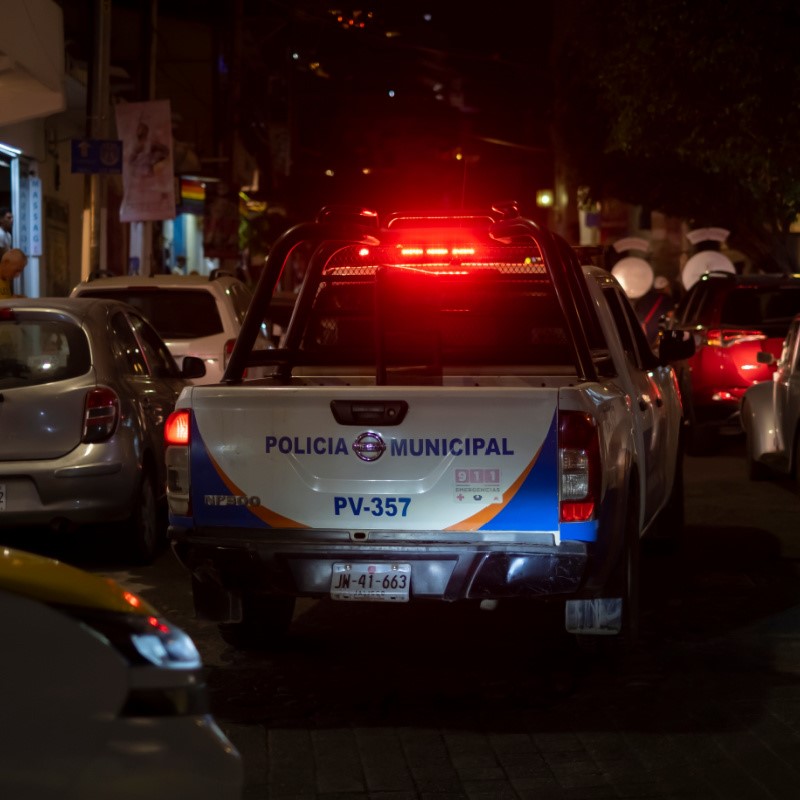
x=733, y=318
x=85, y=388
x=101, y=696
x=194, y=314
x=770, y=414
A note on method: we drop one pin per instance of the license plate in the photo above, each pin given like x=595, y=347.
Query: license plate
x=2, y=497
x=388, y=583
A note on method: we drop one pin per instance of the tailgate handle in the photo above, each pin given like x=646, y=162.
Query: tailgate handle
x=369, y=412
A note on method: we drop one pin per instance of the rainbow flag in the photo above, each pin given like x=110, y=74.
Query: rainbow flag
x=193, y=197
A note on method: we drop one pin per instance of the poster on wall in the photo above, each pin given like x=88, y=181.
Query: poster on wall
x=148, y=185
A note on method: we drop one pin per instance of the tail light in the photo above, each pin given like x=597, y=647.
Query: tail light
x=100, y=415
x=177, y=437
x=579, y=462
x=726, y=337
x=176, y=429
x=226, y=352
x=226, y=355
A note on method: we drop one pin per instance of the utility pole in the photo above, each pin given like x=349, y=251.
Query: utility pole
x=141, y=233
x=95, y=209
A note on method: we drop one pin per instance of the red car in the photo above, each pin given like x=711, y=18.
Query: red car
x=733, y=318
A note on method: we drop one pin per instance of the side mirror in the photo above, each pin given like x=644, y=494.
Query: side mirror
x=675, y=345
x=763, y=357
x=193, y=367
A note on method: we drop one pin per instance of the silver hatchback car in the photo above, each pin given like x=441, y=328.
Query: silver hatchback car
x=85, y=388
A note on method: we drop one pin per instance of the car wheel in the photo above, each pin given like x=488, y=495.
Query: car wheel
x=624, y=582
x=627, y=581
x=143, y=530
x=756, y=471
x=265, y=622
x=668, y=526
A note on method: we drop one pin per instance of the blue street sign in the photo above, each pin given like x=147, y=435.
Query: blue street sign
x=96, y=155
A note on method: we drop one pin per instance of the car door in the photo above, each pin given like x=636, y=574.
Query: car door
x=648, y=383
x=152, y=376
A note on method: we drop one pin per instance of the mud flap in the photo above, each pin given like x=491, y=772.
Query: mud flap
x=597, y=617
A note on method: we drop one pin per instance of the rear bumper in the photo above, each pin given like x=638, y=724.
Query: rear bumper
x=231, y=563
x=63, y=491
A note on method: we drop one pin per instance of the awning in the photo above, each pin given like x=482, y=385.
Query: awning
x=31, y=60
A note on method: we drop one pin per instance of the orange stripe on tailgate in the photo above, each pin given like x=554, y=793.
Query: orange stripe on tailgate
x=272, y=518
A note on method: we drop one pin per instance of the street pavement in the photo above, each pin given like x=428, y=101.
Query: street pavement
x=366, y=702
x=398, y=704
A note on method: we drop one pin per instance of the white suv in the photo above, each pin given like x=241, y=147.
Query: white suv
x=194, y=314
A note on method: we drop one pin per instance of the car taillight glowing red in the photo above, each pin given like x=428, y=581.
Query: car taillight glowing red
x=579, y=462
x=226, y=357
x=176, y=429
x=100, y=415
x=227, y=350
x=726, y=337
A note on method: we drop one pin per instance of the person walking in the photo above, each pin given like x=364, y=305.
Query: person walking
x=12, y=263
x=6, y=223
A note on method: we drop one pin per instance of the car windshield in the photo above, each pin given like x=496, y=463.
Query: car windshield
x=759, y=307
x=37, y=349
x=174, y=313
x=456, y=319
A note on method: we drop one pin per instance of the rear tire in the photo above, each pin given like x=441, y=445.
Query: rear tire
x=265, y=622
x=627, y=579
x=756, y=471
x=668, y=526
x=624, y=582
x=144, y=529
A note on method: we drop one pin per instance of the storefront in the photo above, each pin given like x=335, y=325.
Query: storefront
x=21, y=193
x=32, y=88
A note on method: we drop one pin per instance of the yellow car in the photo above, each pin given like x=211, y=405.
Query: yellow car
x=100, y=696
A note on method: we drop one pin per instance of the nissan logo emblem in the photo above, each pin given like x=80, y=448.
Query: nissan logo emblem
x=369, y=446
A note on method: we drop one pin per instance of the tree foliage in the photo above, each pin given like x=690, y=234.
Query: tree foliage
x=690, y=107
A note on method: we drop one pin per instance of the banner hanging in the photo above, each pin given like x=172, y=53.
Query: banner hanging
x=148, y=183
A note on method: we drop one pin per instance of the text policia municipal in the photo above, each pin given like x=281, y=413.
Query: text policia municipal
x=333, y=446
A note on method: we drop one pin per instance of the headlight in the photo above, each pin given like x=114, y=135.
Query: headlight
x=166, y=646
x=142, y=639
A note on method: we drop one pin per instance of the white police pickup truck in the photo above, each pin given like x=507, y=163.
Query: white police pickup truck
x=459, y=411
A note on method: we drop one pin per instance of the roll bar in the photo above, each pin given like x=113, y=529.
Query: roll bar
x=337, y=226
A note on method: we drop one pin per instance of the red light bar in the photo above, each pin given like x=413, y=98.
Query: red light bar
x=454, y=255
x=434, y=251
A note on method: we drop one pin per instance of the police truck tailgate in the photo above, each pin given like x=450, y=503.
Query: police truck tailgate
x=410, y=458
